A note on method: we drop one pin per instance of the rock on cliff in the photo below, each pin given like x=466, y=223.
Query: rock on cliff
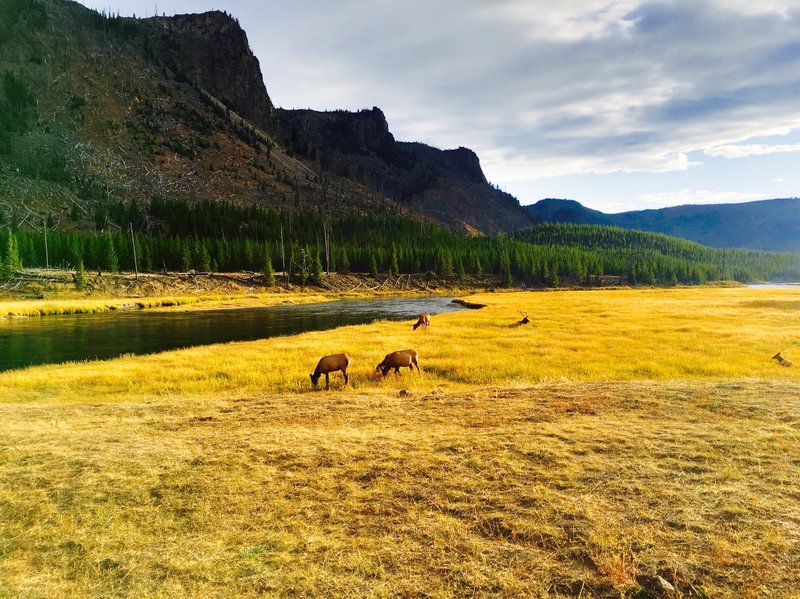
x=211, y=50
x=447, y=185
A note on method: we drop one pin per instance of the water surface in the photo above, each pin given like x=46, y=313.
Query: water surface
x=54, y=339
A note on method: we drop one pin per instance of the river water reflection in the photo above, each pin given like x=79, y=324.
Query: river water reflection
x=54, y=339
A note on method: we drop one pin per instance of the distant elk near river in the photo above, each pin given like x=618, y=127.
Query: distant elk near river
x=423, y=321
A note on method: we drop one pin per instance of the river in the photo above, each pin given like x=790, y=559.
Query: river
x=54, y=339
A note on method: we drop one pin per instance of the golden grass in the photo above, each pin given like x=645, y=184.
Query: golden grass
x=685, y=334
x=21, y=308
x=621, y=435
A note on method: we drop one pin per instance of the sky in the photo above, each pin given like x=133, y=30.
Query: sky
x=619, y=104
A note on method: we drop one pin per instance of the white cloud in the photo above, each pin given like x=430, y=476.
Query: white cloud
x=743, y=150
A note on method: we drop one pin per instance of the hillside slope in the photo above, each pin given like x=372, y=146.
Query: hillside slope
x=772, y=225
x=96, y=110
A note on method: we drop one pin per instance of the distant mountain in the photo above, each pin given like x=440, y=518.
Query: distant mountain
x=772, y=225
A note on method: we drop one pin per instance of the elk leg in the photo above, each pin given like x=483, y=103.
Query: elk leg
x=327, y=381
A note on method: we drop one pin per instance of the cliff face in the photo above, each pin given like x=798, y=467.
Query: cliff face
x=211, y=50
x=447, y=185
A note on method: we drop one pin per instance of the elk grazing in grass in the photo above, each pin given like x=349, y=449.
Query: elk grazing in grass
x=399, y=359
x=423, y=321
x=781, y=360
x=330, y=364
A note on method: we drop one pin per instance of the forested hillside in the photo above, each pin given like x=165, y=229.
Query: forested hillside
x=211, y=236
x=772, y=225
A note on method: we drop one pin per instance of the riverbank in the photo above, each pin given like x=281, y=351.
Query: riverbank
x=43, y=292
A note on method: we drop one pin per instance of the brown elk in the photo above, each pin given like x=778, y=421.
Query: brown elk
x=423, y=321
x=524, y=320
x=330, y=364
x=781, y=360
x=399, y=359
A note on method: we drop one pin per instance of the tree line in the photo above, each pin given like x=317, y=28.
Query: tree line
x=174, y=235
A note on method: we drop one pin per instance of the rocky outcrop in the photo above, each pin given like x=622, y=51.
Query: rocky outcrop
x=447, y=185
x=210, y=50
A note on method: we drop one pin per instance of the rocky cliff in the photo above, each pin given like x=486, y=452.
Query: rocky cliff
x=211, y=50
x=447, y=185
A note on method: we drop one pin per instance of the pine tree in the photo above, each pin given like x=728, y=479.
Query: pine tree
x=373, y=265
x=80, y=276
x=460, y=273
x=202, y=258
x=505, y=266
x=343, y=263
x=110, y=259
x=184, y=255
x=12, y=262
x=269, y=274
x=394, y=269
x=316, y=269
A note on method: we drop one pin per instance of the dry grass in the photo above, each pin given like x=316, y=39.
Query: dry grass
x=528, y=472
x=543, y=490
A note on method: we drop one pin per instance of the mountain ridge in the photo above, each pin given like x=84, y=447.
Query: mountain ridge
x=770, y=225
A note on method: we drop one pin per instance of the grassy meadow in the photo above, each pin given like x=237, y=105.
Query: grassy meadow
x=623, y=435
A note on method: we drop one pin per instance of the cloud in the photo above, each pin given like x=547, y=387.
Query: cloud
x=743, y=150
x=547, y=89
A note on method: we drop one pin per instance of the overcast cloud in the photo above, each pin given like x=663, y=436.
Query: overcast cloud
x=617, y=104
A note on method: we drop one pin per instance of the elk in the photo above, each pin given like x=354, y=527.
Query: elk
x=397, y=360
x=781, y=360
x=424, y=321
x=329, y=364
x=524, y=320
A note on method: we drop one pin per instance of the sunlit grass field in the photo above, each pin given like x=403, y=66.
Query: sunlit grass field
x=26, y=308
x=622, y=435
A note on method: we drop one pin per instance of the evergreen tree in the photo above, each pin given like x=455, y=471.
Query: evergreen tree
x=110, y=259
x=373, y=265
x=184, y=256
x=269, y=274
x=394, y=269
x=316, y=269
x=12, y=262
x=444, y=263
x=343, y=262
x=80, y=276
x=506, y=279
x=477, y=267
x=203, y=259
x=460, y=273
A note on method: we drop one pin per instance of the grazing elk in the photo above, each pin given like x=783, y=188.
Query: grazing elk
x=397, y=360
x=423, y=321
x=781, y=360
x=330, y=364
